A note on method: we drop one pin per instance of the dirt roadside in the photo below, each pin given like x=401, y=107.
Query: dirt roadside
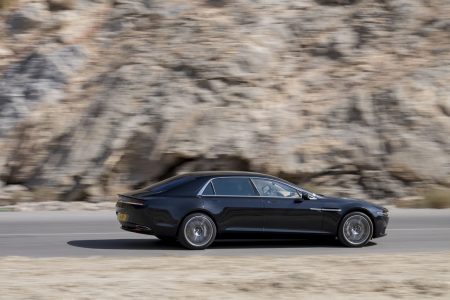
x=424, y=276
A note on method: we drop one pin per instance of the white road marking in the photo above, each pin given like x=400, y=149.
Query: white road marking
x=411, y=229
x=58, y=234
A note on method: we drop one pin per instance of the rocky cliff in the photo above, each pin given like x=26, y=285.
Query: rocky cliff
x=96, y=96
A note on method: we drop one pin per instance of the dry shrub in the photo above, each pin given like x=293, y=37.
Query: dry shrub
x=437, y=198
x=5, y=3
x=55, y=5
x=431, y=198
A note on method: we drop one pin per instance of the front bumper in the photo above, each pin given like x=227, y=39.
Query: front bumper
x=381, y=223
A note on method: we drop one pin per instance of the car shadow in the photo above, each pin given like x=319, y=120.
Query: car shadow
x=125, y=244
x=154, y=244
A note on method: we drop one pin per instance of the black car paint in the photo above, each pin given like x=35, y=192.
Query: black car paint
x=162, y=213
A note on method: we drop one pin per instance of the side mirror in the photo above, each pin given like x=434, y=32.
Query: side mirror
x=299, y=198
x=308, y=196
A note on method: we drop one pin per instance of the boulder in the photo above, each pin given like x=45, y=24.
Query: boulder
x=14, y=193
x=40, y=77
x=26, y=18
x=55, y=5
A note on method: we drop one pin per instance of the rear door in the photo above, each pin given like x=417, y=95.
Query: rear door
x=235, y=204
x=284, y=209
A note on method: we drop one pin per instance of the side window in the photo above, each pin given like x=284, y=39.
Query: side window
x=208, y=190
x=233, y=187
x=271, y=188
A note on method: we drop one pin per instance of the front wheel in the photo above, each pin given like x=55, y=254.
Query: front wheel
x=355, y=230
x=197, y=231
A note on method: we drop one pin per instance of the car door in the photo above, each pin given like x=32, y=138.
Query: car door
x=235, y=203
x=285, y=211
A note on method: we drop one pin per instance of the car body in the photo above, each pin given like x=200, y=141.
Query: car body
x=207, y=205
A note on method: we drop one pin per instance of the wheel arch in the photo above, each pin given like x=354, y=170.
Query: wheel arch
x=361, y=210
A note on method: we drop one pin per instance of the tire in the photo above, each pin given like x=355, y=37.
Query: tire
x=355, y=230
x=197, y=231
x=166, y=239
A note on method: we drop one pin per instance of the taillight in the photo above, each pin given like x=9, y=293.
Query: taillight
x=129, y=200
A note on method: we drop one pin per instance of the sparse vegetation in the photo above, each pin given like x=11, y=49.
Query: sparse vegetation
x=432, y=198
x=437, y=198
x=5, y=3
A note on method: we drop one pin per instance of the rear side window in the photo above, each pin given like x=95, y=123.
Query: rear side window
x=208, y=190
x=168, y=185
x=188, y=188
x=233, y=187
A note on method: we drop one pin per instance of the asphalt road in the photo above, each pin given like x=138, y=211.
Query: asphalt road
x=62, y=234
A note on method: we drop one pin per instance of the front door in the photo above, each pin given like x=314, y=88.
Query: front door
x=285, y=211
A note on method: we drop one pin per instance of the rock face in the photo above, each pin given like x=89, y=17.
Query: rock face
x=351, y=97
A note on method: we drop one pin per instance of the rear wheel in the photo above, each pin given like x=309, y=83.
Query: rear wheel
x=197, y=231
x=355, y=230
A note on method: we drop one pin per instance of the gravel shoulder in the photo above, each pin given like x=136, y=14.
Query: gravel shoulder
x=424, y=276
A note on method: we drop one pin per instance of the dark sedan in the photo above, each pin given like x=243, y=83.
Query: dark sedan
x=196, y=208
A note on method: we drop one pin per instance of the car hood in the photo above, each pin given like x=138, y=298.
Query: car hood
x=350, y=201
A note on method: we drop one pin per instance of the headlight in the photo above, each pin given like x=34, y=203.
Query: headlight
x=383, y=213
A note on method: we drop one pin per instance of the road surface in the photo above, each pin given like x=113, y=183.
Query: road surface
x=80, y=234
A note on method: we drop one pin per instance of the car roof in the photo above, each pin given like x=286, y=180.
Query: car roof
x=226, y=173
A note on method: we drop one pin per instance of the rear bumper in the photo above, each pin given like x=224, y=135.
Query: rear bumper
x=145, y=220
x=136, y=228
